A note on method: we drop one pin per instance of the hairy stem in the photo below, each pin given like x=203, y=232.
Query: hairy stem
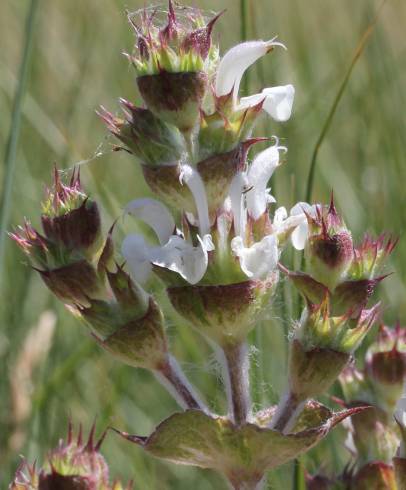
x=171, y=376
x=289, y=408
x=237, y=381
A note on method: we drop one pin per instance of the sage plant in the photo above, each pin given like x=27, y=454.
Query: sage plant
x=218, y=250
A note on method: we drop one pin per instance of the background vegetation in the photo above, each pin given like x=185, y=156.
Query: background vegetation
x=75, y=66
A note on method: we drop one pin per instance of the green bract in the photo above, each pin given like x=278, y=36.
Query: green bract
x=243, y=453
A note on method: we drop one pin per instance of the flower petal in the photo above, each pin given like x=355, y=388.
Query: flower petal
x=193, y=180
x=301, y=207
x=137, y=254
x=277, y=101
x=259, y=174
x=155, y=214
x=258, y=260
x=279, y=217
x=182, y=257
x=237, y=187
x=299, y=236
x=236, y=61
x=297, y=215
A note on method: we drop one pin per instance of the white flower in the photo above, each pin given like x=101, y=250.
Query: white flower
x=277, y=101
x=137, y=253
x=249, y=197
x=174, y=252
x=258, y=260
x=193, y=180
x=258, y=175
x=180, y=256
x=298, y=214
x=155, y=214
x=297, y=219
x=237, y=188
x=248, y=190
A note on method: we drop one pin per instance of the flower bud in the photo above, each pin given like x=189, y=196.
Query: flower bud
x=329, y=250
x=71, y=242
x=73, y=465
x=130, y=326
x=148, y=138
x=312, y=372
x=176, y=98
x=349, y=275
x=386, y=366
x=173, y=64
x=370, y=256
x=318, y=329
x=321, y=348
x=70, y=219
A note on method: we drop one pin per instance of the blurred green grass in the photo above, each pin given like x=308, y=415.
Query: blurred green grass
x=76, y=65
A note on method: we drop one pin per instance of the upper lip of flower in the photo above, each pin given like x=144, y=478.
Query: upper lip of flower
x=249, y=198
x=248, y=191
x=277, y=101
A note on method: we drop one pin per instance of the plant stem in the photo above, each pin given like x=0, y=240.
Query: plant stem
x=11, y=147
x=288, y=410
x=237, y=381
x=171, y=376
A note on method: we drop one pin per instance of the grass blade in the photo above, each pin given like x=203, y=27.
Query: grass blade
x=357, y=54
x=12, y=142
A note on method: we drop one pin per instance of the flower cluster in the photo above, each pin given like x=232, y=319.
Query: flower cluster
x=376, y=438
x=73, y=465
x=336, y=287
x=216, y=245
